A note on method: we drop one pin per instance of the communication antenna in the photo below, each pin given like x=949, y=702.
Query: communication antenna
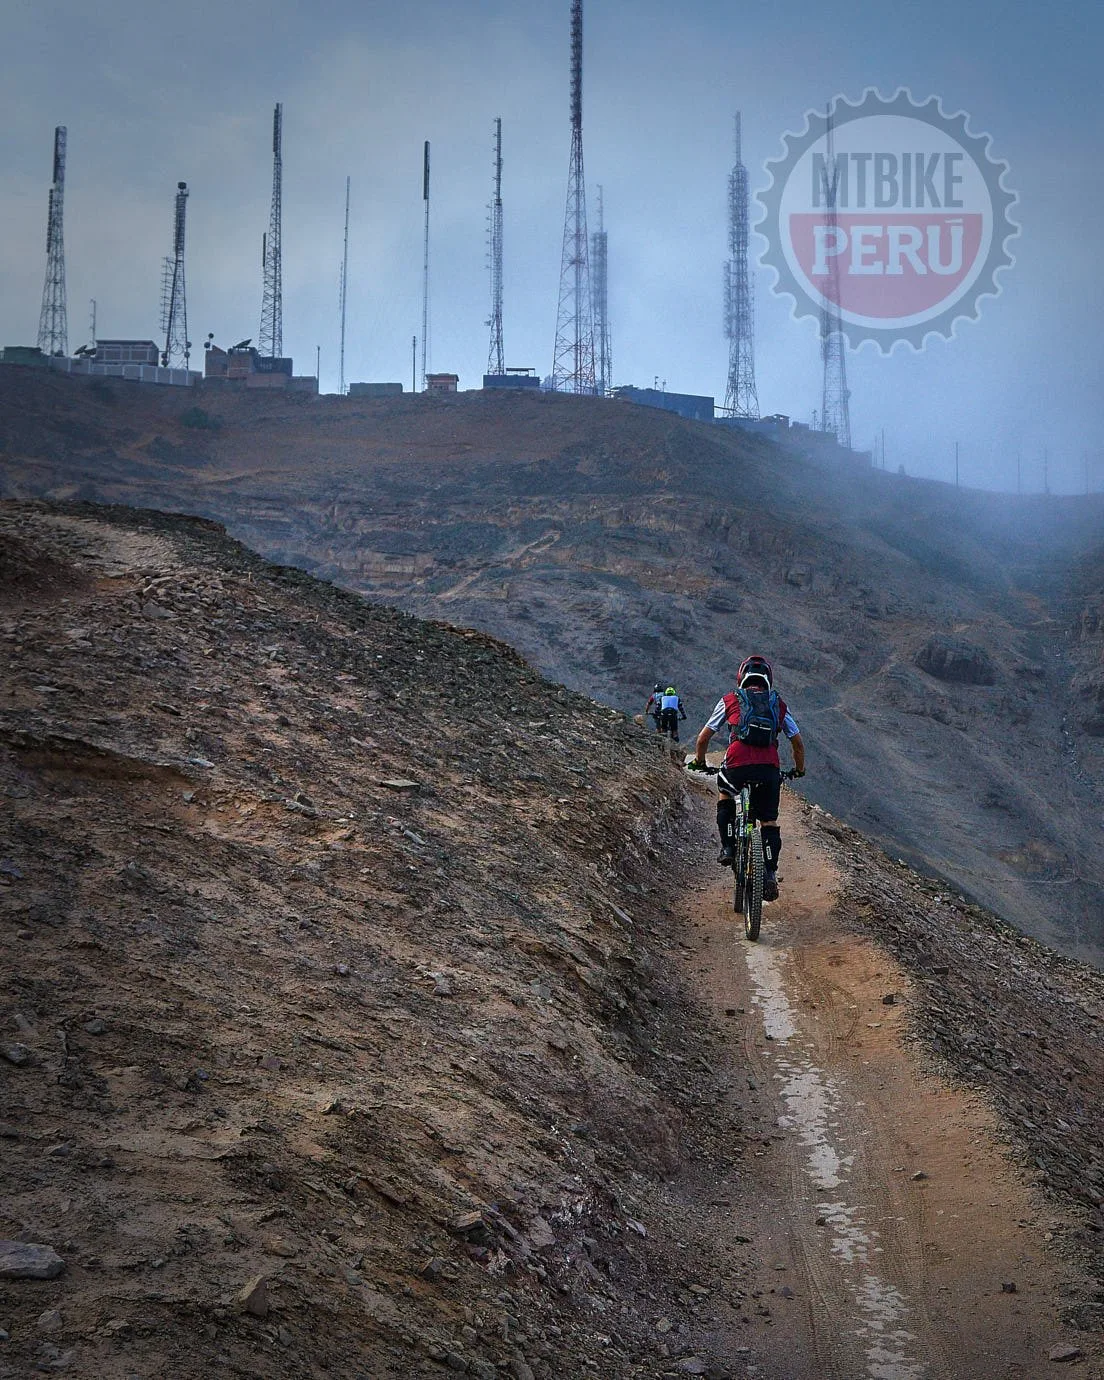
x=344, y=290
x=425, y=267
x=835, y=409
x=270, y=339
x=53, y=325
x=174, y=309
x=495, y=356
x=573, y=362
x=603, y=350
x=741, y=395
x=92, y=322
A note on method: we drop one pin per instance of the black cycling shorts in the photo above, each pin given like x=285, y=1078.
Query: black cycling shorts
x=765, y=781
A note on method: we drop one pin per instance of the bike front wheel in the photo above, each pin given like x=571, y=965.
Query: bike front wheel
x=753, y=886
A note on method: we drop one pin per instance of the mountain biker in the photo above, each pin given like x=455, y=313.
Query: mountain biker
x=750, y=763
x=670, y=712
x=653, y=705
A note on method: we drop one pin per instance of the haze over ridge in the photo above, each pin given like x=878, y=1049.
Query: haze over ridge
x=942, y=649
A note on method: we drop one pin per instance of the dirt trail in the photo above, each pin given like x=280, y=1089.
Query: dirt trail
x=896, y=1240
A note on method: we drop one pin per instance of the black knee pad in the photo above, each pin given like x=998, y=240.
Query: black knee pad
x=726, y=818
x=772, y=846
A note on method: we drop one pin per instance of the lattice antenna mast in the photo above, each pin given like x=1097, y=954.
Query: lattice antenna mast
x=270, y=342
x=495, y=355
x=425, y=268
x=835, y=407
x=174, y=308
x=599, y=262
x=53, y=323
x=741, y=395
x=573, y=365
x=344, y=291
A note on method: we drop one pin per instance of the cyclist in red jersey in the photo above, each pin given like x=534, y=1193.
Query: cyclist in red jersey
x=755, y=715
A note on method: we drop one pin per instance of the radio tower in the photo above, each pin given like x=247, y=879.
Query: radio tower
x=741, y=395
x=603, y=352
x=53, y=325
x=495, y=357
x=835, y=409
x=270, y=341
x=425, y=267
x=344, y=292
x=174, y=308
x=573, y=366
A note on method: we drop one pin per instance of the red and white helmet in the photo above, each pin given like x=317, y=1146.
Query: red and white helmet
x=755, y=668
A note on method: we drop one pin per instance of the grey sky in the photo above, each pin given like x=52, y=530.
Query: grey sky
x=156, y=94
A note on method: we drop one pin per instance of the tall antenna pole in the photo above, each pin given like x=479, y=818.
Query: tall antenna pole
x=425, y=268
x=174, y=309
x=573, y=364
x=92, y=322
x=271, y=338
x=835, y=397
x=495, y=356
x=741, y=394
x=344, y=290
x=53, y=324
x=603, y=350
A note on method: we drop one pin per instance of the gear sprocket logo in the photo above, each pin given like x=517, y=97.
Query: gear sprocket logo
x=892, y=217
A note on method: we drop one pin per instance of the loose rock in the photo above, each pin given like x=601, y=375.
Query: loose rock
x=20, y=1260
x=253, y=1299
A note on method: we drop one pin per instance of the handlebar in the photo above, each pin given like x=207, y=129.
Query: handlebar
x=790, y=775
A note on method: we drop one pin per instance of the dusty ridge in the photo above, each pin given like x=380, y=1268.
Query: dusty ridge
x=306, y=1070
x=943, y=647
x=309, y=1072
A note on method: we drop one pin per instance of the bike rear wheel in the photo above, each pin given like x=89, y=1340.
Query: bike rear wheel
x=753, y=886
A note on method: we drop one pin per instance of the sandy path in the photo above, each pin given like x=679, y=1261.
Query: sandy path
x=897, y=1241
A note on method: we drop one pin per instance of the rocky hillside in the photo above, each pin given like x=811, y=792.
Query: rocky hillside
x=351, y=1024
x=932, y=643
x=329, y=1001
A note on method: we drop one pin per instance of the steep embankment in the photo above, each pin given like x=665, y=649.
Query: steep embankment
x=312, y=1070
x=923, y=635
x=307, y=1067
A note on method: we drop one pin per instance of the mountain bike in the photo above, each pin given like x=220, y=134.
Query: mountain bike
x=747, y=864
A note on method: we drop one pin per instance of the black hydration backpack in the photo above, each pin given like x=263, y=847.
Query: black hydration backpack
x=758, y=721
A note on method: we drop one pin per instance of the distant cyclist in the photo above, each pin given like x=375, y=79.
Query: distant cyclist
x=755, y=715
x=654, y=706
x=670, y=712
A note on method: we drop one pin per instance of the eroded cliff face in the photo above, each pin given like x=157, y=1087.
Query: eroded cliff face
x=942, y=655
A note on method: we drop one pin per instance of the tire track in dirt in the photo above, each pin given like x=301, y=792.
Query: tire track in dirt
x=888, y=1223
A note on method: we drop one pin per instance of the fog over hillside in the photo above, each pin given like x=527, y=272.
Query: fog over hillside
x=941, y=648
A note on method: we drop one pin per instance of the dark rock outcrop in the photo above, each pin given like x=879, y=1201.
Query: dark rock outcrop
x=961, y=663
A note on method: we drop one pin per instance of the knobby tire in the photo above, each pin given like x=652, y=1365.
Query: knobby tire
x=753, y=886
